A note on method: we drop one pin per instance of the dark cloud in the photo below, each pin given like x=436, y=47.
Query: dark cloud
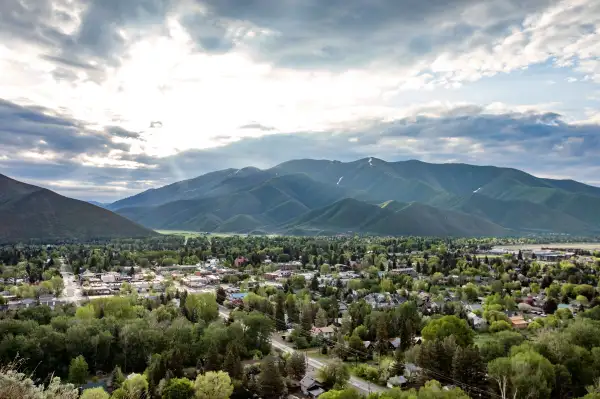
x=538, y=143
x=35, y=128
x=338, y=34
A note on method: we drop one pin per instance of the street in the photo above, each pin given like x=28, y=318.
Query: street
x=360, y=384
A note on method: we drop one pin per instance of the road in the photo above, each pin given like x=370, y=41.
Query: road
x=72, y=291
x=362, y=385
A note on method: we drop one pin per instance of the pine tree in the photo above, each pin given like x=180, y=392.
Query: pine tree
x=469, y=368
x=221, y=295
x=280, y=313
x=321, y=318
x=232, y=363
x=213, y=361
x=398, y=366
x=306, y=322
x=292, y=309
x=314, y=284
x=270, y=381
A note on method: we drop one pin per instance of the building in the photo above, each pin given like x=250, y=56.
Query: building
x=478, y=322
x=310, y=387
x=518, y=322
x=325, y=332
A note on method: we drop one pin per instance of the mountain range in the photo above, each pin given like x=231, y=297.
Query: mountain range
x=29, y=212
x=369, y=196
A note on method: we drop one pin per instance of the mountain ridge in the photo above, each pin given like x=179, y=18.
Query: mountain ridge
x=510, y=201
x=30, y=212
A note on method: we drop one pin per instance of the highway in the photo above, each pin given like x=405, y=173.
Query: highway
x=362, y=385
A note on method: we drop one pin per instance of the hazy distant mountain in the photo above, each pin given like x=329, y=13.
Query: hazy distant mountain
x=416, y=198
x=28, y=212
x=100, y=204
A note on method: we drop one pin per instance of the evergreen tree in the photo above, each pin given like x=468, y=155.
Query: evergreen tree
x=321, y=318
x=469, y=368
x=306, y=322
x=78, y=370
x=270, y=381
x=221, y=295
x=314, y=284
x=398, y=366
x=292, y=309
x=232, y=363
x=213, y=360
x=280, y=313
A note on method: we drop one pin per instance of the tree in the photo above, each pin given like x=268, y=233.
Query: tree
x=117, y=377
x=292, y=310
x=499, y=325
x=78, y=370
x=202, y=307
x=221, y=295
x=447, y=326
x=94, y=393
x=314, y=283
x=334, y=375
x=527, y=374
x=550, y=306
x=356, y=346
x=306, y=321
x=347, y=393
x=321, y=318
x=398, y=365
x=213, y=385
x=134, y=387
x=213, y=358
x=297, y=365
x=232, y=364
x=155, y=371
x=270, y=381
x=178, y=388
x=280, y=313
x=468, y=368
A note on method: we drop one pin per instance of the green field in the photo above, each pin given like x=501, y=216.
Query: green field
x=179, y=233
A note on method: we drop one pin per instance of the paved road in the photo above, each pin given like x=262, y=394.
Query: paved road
x=357, y=383
x=72, y=291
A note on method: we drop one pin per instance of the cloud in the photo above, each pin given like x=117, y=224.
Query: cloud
x=539, y=143
x=105, y=91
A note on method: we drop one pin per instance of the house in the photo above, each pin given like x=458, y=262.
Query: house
x=397, y=381
x=394, y=343
x=239, y=261
x=310, y=387
x=325, y=332
x=409, y=271
x=478, y=322
x=518, y=322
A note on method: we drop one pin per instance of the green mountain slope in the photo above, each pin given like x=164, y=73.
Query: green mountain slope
x=502, y=196
x=28, y=212
x=522, y=215
x=352, y=216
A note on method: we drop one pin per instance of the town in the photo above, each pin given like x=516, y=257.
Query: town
x=388, y=311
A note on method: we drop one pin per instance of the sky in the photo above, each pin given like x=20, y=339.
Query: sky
x=102, y=99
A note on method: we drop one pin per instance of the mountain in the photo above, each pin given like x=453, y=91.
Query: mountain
x=100, y=204
x=418, y=197
x=350, y=215
x=29, y=212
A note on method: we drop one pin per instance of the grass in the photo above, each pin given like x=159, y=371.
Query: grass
x=179, y=233
x=315, y=353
